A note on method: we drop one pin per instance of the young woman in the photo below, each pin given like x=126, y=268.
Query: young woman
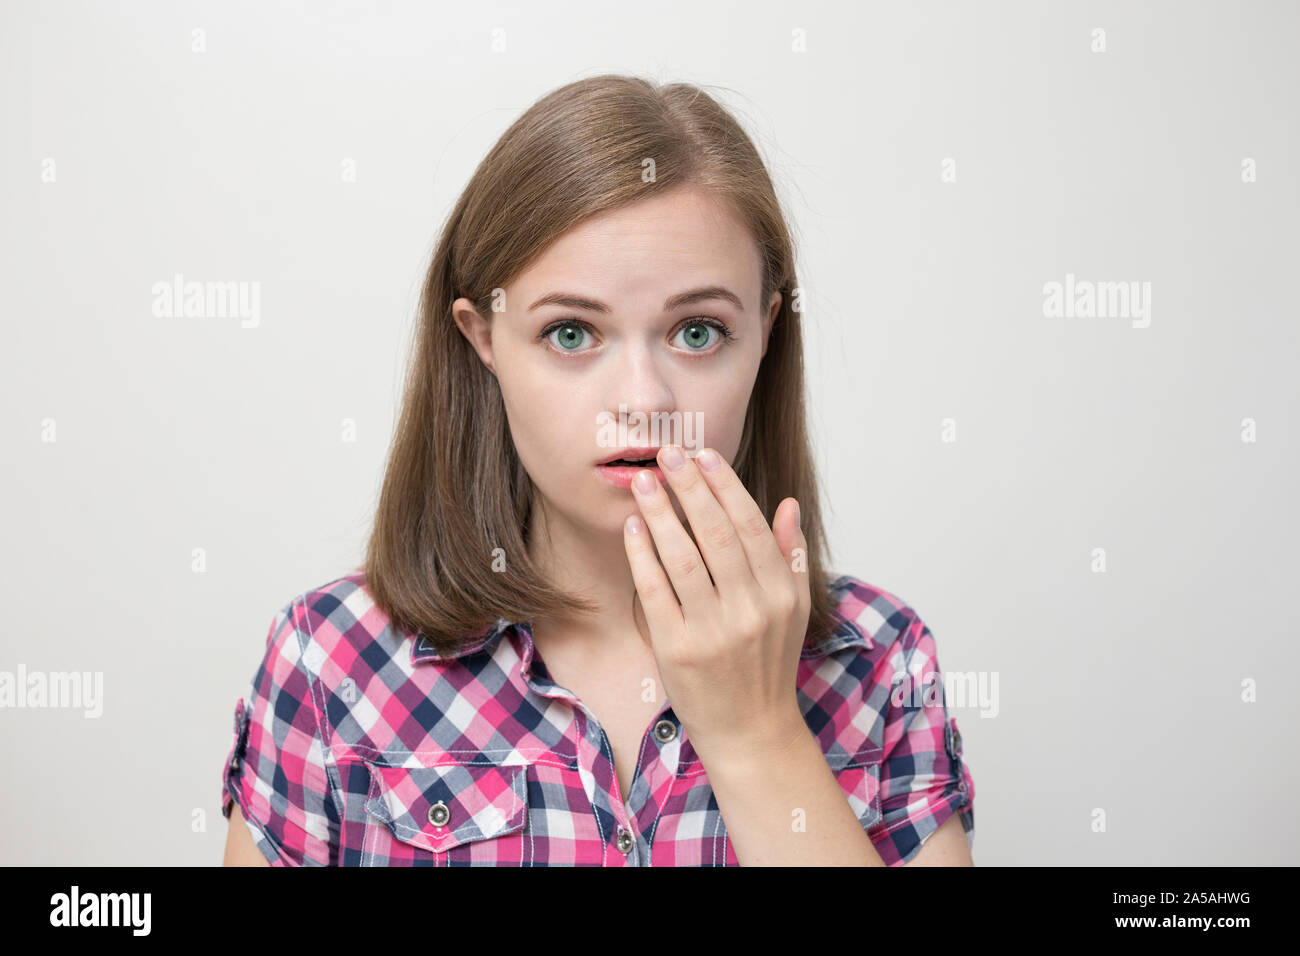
x=545, y=661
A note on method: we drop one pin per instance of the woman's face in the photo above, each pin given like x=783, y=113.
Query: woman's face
x=568, y=368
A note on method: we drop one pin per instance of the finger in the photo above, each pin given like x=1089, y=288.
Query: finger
x=715, y=536
x=766, y=561
x=662, y=612
x=794, y=545
x=677, y=553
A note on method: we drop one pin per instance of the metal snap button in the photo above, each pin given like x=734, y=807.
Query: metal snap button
x=665, y=731
x=624, y=840
x=439, y=814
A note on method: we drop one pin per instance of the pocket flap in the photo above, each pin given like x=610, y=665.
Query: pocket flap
x=443, y=806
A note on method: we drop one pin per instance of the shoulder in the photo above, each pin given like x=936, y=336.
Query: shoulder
x=879, y=622
x=334, y=647
x=848, y=681
x=338, y=624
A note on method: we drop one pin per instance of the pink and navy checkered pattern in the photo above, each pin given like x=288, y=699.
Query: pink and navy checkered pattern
x=357, y=745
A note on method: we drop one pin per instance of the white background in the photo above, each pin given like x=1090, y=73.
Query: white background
x=1119, y=691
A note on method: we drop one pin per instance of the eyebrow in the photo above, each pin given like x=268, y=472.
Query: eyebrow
x=573, y=301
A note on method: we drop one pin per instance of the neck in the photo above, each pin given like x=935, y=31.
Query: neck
x=591, y=564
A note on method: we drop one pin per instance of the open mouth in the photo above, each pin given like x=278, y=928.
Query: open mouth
x=622, y=472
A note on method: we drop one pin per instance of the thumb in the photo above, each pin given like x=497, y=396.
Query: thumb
x=790, y=537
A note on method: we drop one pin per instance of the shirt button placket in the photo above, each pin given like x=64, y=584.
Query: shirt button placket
x=665, y=731
x=625, y=841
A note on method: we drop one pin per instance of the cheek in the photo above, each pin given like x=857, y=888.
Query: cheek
x=537, y=430
x=546, y=426
x=720, y=422
x=525, y=417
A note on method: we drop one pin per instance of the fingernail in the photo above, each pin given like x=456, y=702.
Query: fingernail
x=796, y=513
x=673, y=458
x=707, y=459
x=645, y=481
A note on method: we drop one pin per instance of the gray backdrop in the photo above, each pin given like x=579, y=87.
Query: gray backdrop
x=1096, y=511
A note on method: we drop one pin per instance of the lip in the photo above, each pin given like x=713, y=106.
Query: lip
x=620, y=476
x=651, y=453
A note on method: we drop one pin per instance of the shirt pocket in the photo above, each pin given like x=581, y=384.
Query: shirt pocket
x=858, y=773
x=446, y=813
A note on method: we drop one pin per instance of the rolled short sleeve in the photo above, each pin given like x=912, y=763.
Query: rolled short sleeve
x=924, y=779
x=275, y=768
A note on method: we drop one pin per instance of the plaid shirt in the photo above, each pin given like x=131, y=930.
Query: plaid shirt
x=357, y=745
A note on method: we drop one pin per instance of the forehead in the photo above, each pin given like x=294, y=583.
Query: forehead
x=646, y=250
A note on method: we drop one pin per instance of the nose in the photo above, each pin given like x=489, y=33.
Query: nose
x=637, y=382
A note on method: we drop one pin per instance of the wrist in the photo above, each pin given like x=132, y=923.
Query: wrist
x=760, y=746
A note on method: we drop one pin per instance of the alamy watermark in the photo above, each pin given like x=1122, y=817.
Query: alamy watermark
x=179, y=299
x=1085, y=299
x=642, y=430
x=54, y=690
x=959, y=689
x=76, y=908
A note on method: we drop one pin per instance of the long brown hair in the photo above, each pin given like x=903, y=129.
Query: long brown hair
x=454, y=489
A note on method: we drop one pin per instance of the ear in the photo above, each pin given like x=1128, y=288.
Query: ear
x=771, y=318
x=476, y=329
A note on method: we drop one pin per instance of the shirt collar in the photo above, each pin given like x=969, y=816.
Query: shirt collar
x=846, y=634
x=422, y=648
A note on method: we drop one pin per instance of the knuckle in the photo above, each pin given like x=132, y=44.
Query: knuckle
x=754, y=525
x=686, y=479
x=749, y=623
x=719, y=536
x=684, y=566
x=786, y=601
x=654, y=506
x=650, y=591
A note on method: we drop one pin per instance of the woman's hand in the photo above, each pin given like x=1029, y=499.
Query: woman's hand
x=727, y=649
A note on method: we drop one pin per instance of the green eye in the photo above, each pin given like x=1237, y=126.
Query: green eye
x=569, y=336
x=700, y=339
